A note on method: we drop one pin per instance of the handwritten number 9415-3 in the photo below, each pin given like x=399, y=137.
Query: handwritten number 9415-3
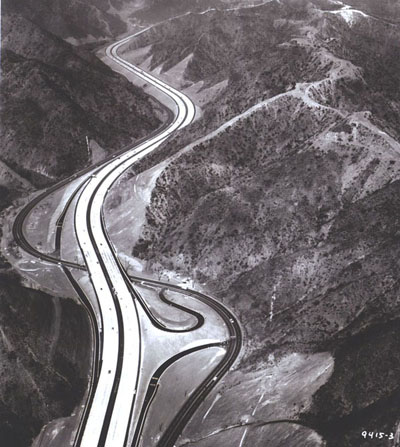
x=376, y=435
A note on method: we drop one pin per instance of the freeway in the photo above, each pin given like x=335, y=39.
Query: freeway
x=107, y=417
x=109, y=420
x=18, y=226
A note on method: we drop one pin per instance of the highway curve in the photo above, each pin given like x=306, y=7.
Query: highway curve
x=106, y=420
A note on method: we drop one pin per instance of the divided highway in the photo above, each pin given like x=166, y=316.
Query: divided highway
x=107, y=419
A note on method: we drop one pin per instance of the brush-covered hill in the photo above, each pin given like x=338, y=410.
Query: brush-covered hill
x=255, y=53
x=82, y=21
x=44, y=352
x=54, y=95
x=155, y=11
x=240, y=47
x=78, y=19
x=288, y=209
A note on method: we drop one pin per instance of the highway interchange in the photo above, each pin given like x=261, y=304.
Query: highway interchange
x=107, y=417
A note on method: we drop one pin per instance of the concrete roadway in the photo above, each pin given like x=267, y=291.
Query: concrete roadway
x=109, y=419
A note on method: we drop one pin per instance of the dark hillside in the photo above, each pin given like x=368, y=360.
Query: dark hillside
x=53, y=96
x=74, y=18
x=155, y=11
x=43, y=370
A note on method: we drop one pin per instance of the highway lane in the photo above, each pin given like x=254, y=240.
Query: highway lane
x=102, y=266
x=97, y=348
x=111, y=399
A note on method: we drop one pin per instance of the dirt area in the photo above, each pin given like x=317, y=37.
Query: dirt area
x=176, y=385
x=170, y=316
x=278, y=390
x=125, y=206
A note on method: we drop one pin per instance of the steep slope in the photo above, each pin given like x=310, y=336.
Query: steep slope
x=237, y=45
x=82, y=21
x=386, y=9
x=76, y=18
x=44, y=367
x=352, y=402
x=261, y=51
x=289, y=212
x=53, y=96
x=155, y=11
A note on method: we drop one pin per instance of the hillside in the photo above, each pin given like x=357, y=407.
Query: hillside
x=81, y=21
x=76, y=19
x=44, y=347
x=256, y=53
x=286, y=207
x=53, y=96
x=386, y=9
x=154, y=11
